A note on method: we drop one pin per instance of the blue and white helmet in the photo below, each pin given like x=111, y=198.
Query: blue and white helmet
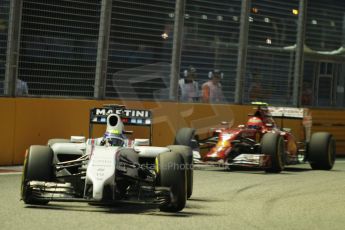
x=114, y=133
x=114, y=138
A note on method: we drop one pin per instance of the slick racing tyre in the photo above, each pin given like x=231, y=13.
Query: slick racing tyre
x=37, y=167
x=57, y=140
x=171, y=173
x=272, y=144
x=184, y=136
x=187, y=154
x=321, y=151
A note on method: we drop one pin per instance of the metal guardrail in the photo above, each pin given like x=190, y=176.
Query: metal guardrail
x=4, y=16
x=58, y=47
x=94, y=49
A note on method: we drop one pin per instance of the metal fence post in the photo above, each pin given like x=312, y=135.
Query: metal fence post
x=102, y=49
x=13, y=42
x=299, y=55
x=176, y=50
x=242, y=50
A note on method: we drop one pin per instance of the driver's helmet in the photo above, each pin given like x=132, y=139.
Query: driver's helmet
x=255, y=123
x=113, y=139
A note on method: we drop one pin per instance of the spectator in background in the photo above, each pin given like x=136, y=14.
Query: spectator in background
x=21, y=88
x=2, y=90
x=188, y=86
x=212, y=89
x=307, y=94
x=255, y=88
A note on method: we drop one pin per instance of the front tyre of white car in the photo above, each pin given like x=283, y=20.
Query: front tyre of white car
x=37, y=167
x=187, y=155
x=171, y=172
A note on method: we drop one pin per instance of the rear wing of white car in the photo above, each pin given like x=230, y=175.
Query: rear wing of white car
x=129, y=117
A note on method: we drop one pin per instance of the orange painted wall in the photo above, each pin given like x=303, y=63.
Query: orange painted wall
x=27, y=121
x=7, y=134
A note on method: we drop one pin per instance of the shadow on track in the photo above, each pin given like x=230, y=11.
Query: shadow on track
x=120, y=208
x=239, y=169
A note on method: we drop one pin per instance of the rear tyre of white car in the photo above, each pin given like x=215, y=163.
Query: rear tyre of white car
x=184, y=136
x=272, y=144
x=37, y=167
x=171, y=173
x=187, y=154
x=321, y=151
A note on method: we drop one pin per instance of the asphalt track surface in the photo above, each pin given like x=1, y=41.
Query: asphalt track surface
x=298, y=198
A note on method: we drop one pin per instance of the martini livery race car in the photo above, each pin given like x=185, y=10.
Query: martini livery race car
x=261, y=144
x=112, y=168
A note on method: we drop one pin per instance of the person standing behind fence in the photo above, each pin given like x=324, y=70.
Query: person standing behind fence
x=21, y=88
x=189, y=87
x=212, y=89
x=255, y=91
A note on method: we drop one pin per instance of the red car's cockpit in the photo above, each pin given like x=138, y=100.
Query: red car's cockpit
x=255, y=123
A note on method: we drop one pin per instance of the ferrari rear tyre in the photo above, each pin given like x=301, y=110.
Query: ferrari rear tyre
x=171, y=173
x=272, y=144
x=187, y=154
x=321, y=151
x=37, y=167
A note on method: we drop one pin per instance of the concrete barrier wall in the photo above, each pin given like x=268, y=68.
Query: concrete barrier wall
x=28, y=121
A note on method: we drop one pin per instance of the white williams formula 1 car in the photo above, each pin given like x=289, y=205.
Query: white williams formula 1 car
x=112, y=168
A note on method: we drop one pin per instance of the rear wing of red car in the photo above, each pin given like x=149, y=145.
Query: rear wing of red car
x=129, y=117
x=287, y=112
x=278, y=112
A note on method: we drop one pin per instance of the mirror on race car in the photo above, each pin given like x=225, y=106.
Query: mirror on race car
x=141, y=142
x=77, y=139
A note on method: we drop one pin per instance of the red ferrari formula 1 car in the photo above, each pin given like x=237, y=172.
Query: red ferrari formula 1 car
x=260, y=143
